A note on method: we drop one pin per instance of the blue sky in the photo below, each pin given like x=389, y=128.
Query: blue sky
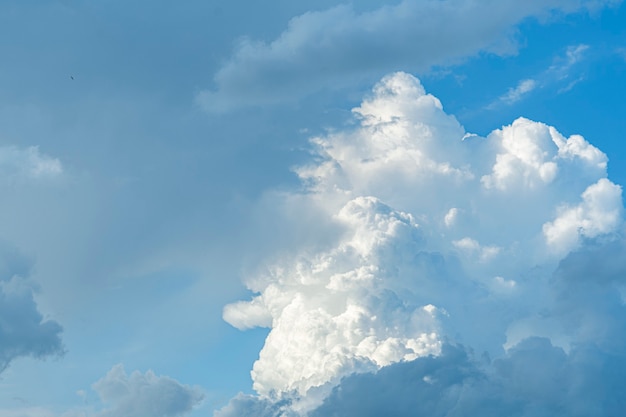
x=161, y=161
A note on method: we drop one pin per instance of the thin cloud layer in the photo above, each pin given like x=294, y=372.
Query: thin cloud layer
x=341, y=46
x=443, y=238
x=27, y=163
x=516, y=94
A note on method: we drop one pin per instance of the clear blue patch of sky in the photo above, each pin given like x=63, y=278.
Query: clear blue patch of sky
x=593, y=107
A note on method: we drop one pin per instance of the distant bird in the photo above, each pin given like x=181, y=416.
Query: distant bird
x=72, y=77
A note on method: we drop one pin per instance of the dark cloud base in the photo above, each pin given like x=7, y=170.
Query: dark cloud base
x=534, y=378
x=23, y=330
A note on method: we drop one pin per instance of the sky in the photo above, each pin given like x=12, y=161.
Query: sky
x=304, y=209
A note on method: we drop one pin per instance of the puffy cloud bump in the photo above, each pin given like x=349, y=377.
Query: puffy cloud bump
x=144, y=395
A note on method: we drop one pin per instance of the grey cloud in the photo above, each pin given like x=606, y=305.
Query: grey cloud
x=534, y=379
x=250, y=406
x=23, y=330
x=145, y=395
x=340, y=46
x=588, y=294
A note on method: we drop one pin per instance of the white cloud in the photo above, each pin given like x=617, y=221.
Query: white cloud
x=340, y=46
x=526, y=157
x=337, y=311
x=531, y=154
x=600, y=212
x=472, y=247
x=451, y=217
x=441, y=238
x=246, y=315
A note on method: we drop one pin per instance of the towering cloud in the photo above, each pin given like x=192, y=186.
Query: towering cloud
x=443, y=238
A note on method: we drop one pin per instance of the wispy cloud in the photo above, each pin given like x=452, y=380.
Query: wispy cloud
x=27, y=163
x=560, y=72
x=562, y=65
x=517, y=93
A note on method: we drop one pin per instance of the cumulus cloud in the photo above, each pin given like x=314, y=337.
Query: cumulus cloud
x=144, y=395
x=341, y=46
x=335, y=312
x=444, y=238
x=23, y=330
x=599, y=213
x=135, y=395
x=535, y=377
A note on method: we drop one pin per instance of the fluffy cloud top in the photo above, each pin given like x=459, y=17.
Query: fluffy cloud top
x=341, y=45
x=335, y=312
x=445, y=237
x=144, y=395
